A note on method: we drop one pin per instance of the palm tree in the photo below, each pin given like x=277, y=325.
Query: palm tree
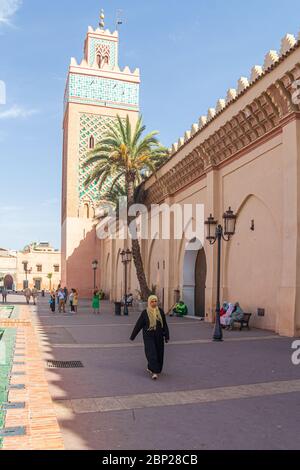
x=49, y=276
x=124, y=159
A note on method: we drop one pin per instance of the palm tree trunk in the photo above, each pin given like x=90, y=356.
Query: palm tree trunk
x=136, y=249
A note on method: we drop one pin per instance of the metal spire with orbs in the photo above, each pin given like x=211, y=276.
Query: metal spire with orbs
x=102, y=18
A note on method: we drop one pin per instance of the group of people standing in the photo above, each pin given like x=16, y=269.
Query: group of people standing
x=60, y=297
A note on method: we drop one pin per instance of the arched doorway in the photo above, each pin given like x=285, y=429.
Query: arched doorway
x=194, y=279
x=8, y=282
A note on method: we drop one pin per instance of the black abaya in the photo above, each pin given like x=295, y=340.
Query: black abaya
x=153, y=340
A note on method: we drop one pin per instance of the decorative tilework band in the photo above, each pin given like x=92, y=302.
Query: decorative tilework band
x=91, y=89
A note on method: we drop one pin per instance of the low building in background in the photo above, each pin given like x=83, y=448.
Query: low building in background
x=8, y=268
x=38, y=265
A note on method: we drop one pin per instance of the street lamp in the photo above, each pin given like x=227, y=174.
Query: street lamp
x=95, y=267
x=27, y=271
x=126, y=259
x=215, y=232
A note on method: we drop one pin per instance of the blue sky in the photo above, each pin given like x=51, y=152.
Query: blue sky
x=189, y=55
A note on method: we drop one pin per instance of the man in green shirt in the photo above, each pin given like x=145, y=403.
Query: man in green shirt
x=180, y=310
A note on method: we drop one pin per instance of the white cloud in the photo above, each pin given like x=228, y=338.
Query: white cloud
x=7, y=9
x=16, y=112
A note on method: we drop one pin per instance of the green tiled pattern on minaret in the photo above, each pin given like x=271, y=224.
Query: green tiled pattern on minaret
x=88, y=89
x=91, y=125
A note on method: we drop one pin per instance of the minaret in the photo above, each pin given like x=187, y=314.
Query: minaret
x=97, y=90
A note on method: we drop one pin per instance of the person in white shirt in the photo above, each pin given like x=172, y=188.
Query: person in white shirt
x=34, y=294
x=61, y=300
x=71, y=298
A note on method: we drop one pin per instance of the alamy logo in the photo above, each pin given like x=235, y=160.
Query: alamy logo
x=2, y=92
x=158, y=222
x=296, y=354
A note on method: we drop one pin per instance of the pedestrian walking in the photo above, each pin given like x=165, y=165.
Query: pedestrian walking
x=34, y=294
x=96, y=303
x=155, y=333
x=27, y=293
x=4, y=295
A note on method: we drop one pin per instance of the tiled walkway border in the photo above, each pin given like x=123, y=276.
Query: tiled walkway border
x=8, y=340
x=38, y=417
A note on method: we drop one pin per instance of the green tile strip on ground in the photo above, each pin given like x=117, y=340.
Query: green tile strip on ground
x=9, y=312
x=8, y=339
x=15, y=312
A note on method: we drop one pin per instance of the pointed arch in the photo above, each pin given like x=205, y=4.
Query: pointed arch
x=91, y=142
x=86, y=210
x=193, y=276
x=253, y=260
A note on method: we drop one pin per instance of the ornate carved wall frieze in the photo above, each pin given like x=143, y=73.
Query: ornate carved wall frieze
x=251, y=123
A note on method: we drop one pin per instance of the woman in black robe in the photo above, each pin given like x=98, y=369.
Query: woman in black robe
x=155, y=333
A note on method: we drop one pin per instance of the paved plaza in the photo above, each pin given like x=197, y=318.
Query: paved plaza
x=239, y=394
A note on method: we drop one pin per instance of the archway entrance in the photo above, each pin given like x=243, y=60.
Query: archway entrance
x=8, y=282
x=194, y=280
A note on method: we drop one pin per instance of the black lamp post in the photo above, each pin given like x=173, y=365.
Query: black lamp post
x=25, y=265
x=215, y=232
x=95, y=267
x=126, y=259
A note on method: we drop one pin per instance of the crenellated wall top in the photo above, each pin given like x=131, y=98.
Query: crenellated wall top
x=258, y=106
x=272, y=59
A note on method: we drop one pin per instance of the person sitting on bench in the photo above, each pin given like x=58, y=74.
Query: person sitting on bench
x=237, y=315
x=180, y=310
x=226, y=314
x=129, y=300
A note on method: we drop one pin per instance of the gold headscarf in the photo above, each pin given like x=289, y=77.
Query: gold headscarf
x=153, y=313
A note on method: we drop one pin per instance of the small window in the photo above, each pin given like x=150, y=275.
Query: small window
x=39, y=268
x=56, y=268
x=92, y=142
x=86, y=211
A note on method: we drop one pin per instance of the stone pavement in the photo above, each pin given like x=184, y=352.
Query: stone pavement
x=27, y=387
x=239, y=394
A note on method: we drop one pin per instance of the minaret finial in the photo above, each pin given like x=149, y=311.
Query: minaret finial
x=102, y=17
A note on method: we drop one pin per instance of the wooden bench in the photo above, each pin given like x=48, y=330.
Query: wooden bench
x=244, y=321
